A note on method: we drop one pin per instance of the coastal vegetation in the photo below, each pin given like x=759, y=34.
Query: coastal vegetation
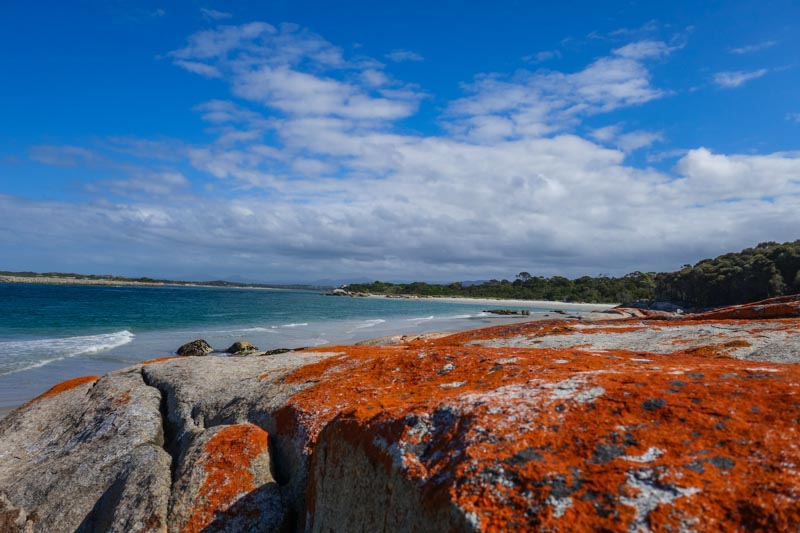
x=767, y=270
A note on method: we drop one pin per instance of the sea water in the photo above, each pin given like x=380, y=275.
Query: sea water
x=49, y=333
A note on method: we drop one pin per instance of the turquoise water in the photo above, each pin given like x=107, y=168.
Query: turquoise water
x=49, y=333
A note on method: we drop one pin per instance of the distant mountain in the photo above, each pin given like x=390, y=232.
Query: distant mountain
x=330, y=282
x=473, y=282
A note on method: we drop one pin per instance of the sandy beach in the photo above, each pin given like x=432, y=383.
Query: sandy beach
x=538, y=304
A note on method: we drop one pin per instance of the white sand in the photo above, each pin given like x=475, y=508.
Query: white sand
x=540, y=304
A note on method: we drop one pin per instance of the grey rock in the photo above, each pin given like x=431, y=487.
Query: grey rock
x=71, y=458
x=13, y=519
x=100, y=456
x=241, y=348
x=195, y=348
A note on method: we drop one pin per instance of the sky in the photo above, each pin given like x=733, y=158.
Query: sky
x=297, y=141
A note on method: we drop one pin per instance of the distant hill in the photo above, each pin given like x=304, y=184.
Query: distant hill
x=65, y=277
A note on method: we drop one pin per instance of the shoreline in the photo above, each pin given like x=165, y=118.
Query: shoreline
x=394, y=335
x=538, y=304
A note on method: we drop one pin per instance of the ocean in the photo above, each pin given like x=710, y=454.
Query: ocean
x=49, y=333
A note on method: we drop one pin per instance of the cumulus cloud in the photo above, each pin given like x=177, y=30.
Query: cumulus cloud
x=296, y=72
x=542, y=102
x=312, y=175
x=719, y=177
x=737, y=78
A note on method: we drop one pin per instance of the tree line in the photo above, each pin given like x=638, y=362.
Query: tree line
x=767, y=270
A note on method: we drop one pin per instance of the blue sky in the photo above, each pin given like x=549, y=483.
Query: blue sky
x=293, y=141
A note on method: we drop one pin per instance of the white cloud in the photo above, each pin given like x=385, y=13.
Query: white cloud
x=143, y=185
x=539, y=103
x=606, y=133
x=296, y=72
x=207, y=71
x=749, y=49
x=400, y=55
x=63, y=156
x=793, y=117
x=644, y=50
x=719, y=177
x=558, y=205
x=638, y=139
x=310, y=176
x=213, y=14
x=737, y=78
x=541, y=57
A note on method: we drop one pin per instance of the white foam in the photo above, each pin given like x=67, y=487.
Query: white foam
x=298, y=325
x=370, y=323
x=254, y=330
x=16, y=356
x=420, y=318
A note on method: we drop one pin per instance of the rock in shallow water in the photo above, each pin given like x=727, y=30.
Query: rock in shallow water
x=241, y=348
x=195, y=348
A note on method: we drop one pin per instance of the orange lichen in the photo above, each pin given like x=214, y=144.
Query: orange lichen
x=560, y=439
x=781, y=307
x=65, y=386
x=228, y=465
x=158, y=360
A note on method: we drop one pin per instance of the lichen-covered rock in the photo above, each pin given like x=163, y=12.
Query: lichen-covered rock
x=224, y=483
x=649, y=423
x=241, y=348
x=557, y=440
x=195, y=348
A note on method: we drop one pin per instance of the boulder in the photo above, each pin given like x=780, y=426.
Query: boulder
x=224, y=483
x=241, y=348
x=88, y=455
x=195, y=348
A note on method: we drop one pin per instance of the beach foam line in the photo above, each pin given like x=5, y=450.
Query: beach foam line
x=370, y=323
x=256, y=329
x=18, y=356
x=298, y=325
x=420, y=318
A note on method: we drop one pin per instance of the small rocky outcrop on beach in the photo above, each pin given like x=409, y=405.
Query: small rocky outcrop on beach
x=630, y=424
x=508, y=312
x=195, y=349
x=344, y=292
x=241, y=348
